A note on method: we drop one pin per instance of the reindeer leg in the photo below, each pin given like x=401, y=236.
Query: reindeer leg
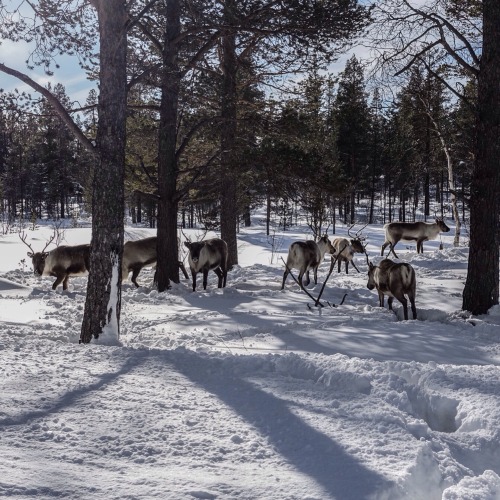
x=307, y=280
x=384, y=246
x=340, y=265
x=58, y=281
x=413, y=308
x=347, y=267
x=299, y=279
x=392, y=250
x=352, y=262
x=402, y=299
x=205, y=278
x=135, y=273
x=220, y=275
x=285, y=275
x=389, y=303
x=405, y=308
x=193, y=274
x=380, y=298
x=420, y=246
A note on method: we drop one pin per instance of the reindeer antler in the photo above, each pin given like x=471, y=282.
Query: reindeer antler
x=358, y=236
x=185, y=235
x=23, y=237
x=54, y=234
x=204, y=234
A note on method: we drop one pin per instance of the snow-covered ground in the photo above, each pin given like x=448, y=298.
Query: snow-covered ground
x=249, y=392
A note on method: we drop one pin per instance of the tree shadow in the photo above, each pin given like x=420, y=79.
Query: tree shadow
x=69, y=398
x=305, y=448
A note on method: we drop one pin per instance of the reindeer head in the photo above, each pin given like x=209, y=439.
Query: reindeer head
x=37, y=258
x=329, y=247
x=371, y=278
x=442, y=225
x=357, y=239
x=195, y=248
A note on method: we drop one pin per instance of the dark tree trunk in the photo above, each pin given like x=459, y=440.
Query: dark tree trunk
x=427, y=206
x=372, y=198
x=103, y=302
x=481, y=287
x=62, y=202
x=229, y=208
x=168, y=251
x=247, y=216
x=139, y=208
x=268, y=212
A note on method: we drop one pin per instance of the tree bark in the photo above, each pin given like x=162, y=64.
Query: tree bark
x=229, y=208
x=167, y=246
x=103, y=302
x=481, y=287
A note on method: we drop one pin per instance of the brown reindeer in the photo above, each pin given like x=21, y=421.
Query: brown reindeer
x=307, y=255
x=138, y=254
x=205, y=256
x=346, y=248
x=412, y=231
x=62, y=262
x=394, y=280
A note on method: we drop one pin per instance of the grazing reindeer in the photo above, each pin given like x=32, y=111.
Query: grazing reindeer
x=205, y=256
x=345, y=249
x=62, y=262
x=412, y=231
x=306, y=255
x=138, y=254
x=394, y=280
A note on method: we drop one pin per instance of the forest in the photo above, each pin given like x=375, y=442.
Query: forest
x=207, y=109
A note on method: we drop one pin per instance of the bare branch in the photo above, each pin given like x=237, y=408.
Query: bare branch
x=55, y=103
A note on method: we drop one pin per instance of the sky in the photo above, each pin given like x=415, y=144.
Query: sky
x=249, y=392
x=68, y=74
x=74, y=79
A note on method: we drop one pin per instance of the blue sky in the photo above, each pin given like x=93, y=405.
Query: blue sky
x=74, y=79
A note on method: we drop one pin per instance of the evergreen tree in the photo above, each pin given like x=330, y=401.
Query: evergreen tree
x=352, y=122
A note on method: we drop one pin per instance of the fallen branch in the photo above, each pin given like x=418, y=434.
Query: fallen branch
x=301, y=286
x=332, y=265
x=317, y=301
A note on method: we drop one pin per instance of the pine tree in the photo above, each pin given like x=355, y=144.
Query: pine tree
x=351, y=116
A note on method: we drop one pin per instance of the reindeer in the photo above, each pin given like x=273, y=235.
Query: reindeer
x=412, y=231
x=307, y=255
x=62, y=262
x=205, y=256
x=345, y=249
x=141, y=253
x=136, y=255
x=394, y=280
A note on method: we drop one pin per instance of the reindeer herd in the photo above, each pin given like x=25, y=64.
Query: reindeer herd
x=396, y=280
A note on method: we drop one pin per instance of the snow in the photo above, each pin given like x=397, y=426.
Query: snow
x=249, y=392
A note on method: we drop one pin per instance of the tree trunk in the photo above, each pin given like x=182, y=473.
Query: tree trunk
x=167, y=246
x=229, y=208
x=139, y=208
x=481, y=287
x=103, y=302
x=268, y=211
